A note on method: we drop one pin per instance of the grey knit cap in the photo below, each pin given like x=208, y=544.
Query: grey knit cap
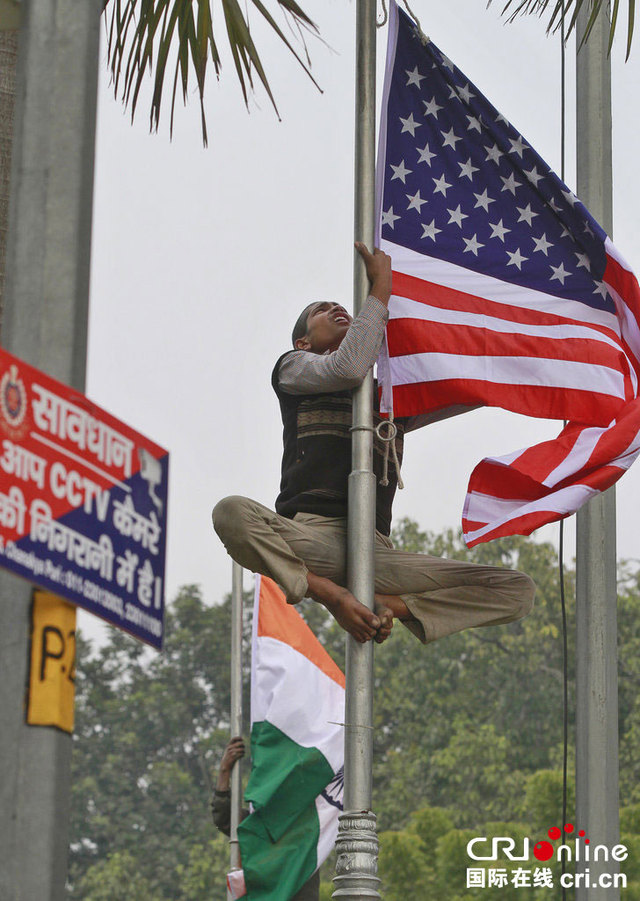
x=300, y=328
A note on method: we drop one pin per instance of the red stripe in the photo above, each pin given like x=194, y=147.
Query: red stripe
x=501, y=481
x=540, y=401
x=413, y=336
x=624, y=283
x=435, y=295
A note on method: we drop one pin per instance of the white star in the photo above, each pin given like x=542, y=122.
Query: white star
x=456, y=216
x=498, y=230
x=583, y=261
x=425, y=155
x=517, y=146
x=559, y=272
x=474, y=124
x=554, y=206
x=587, y=229
x=526, y=214
x=601, y=289
x=542, y=244
x=565, y=233
x=441, y=185
x=570, y=197
x=447, y=62
x=449, y=139
x=430, y=231
x=516, y=259
x=472, y=245
x=501, y=118
x=453, y=93
x=467, y=169
x=416, y=201
x=414, y=77
x=400, y=172
x=532, y=175
x=431, y=108
x=510, y=184
x=483, y=200
x=388, y=217
x=494, y=153
x=409, y=124
x=465, y=93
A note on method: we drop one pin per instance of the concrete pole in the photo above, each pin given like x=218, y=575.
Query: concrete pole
x=596, y=594
x=357, y=844
x=45, y=323
x=236, y=711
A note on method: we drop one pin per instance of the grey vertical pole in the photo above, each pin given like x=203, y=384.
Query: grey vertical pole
x=596, y=597
x=45, y=323
x=357, y=843
x=236, y=710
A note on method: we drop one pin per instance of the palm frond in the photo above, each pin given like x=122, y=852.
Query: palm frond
x=145, y=36
x=570, y=9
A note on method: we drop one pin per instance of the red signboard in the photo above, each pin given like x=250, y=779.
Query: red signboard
x=83, y=501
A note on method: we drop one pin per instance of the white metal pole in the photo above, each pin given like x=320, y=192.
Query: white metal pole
x=236, y=710
x=596, y=595
x=357, y=844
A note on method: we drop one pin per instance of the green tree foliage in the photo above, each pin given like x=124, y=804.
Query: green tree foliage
x=468, y=742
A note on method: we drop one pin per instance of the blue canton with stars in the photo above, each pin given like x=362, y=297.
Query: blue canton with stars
x=461, y=184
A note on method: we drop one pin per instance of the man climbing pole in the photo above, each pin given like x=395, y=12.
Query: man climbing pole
x=302, y=545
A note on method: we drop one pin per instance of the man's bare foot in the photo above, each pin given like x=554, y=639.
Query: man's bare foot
x=385, y=615
x=354, y=617
x=395, y=605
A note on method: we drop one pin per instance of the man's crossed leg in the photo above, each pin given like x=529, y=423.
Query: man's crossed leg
x=306, y=556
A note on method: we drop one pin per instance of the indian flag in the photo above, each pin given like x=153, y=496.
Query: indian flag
x=297, y=751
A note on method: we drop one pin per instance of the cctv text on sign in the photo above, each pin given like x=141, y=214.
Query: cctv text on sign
x=83, y=501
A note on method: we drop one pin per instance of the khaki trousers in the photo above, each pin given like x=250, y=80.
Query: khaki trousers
x=444, y=596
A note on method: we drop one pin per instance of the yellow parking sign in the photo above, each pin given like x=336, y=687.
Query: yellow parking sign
x=53, y=662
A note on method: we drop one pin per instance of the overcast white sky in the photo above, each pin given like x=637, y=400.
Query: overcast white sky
x=203, y=258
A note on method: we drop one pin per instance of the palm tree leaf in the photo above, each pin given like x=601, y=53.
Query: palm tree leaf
x=144, y=34
x=514, y=8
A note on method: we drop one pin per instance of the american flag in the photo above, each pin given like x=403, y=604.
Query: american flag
x=506, y=292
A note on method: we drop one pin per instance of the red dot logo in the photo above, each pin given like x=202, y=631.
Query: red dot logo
x=568, y=827
x=543, y=850
x=581, y=833
x=554, y=833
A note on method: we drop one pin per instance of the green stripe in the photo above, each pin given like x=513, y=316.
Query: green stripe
x=285, y=777
x=279, y=841
x=274, y=871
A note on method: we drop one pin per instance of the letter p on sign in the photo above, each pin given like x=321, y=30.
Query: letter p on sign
x=53, y=662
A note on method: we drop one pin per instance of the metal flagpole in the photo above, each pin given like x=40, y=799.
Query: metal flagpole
x=357, y=844
x=596, y=596
x=236, y=711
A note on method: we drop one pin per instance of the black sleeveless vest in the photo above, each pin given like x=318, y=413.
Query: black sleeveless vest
x=316, y=460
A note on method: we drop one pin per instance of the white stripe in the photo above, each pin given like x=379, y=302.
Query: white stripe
x=582, y=450
x=567, y=500
x=458, y=278
x=614, y=253
x=328, y=818
x=433, y=367
x=298, y=698
x=405, y=308
x=577, y=456
x=485, y=507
